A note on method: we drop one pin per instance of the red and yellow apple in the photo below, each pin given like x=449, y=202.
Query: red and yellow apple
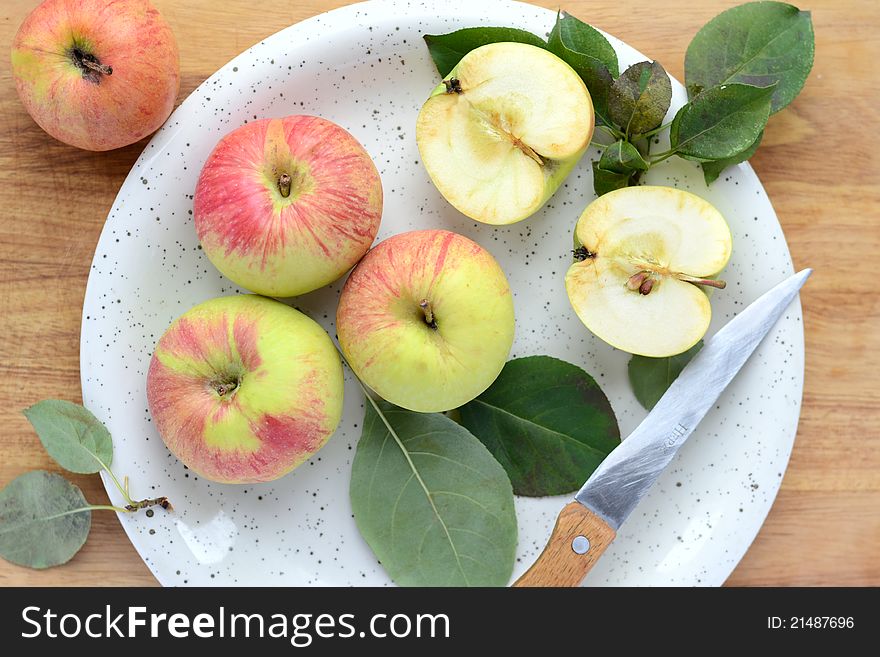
x=285, y=206
x=426, y=320
x=94, y=74
x=243, y=389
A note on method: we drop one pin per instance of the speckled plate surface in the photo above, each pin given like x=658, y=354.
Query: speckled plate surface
x=366, y=67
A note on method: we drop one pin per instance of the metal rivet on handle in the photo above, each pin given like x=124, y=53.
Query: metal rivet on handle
x=580, y=544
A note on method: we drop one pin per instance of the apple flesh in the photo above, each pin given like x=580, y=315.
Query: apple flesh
x=243, y=389
x=641, y=254
x=285, y=206
x=426, y=320
x=500, y=134
x=94, y=74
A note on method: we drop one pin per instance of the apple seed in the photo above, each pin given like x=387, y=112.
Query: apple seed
x=636, y=280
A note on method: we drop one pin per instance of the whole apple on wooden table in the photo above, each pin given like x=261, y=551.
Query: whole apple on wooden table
x=94, y=74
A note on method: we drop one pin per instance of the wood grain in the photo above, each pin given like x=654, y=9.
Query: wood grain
x=559, y=564
x=819, y=162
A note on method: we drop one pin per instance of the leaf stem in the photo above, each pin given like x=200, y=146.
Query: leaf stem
x=637, y=176
x=363, y=388
x=122, y=489
x=651, y=133
x=91, y=507
x=134, y=508
x=665, y=155
x=614, y=132
x=409, y=461
x=131, y=506
x=105, y=507
x=416, y=473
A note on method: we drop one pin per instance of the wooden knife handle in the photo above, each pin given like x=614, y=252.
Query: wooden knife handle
x=564, y=561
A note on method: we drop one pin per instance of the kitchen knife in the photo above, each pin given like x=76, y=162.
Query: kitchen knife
x=586, y=527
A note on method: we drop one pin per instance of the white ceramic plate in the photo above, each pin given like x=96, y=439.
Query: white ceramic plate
x=367, y=68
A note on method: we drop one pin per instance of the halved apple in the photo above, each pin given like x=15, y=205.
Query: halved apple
x=503, y=130
x=641, y=254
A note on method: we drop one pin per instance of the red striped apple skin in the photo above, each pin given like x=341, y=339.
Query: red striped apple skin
x=281, y=245
x=389, y=344
x=243, y=389
x=97, y=112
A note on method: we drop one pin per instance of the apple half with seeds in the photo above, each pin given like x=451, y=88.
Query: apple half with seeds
x=641, y=257
x=503, y=130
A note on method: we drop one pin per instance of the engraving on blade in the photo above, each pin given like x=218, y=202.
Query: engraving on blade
x=623, y=478
x=673, y=438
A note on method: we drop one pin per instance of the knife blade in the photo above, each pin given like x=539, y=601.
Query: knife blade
x=587, y=526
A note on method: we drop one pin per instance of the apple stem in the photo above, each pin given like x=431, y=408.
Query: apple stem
x=425, y=305
x=91, y=68
x=224, y=388
x=284, y=182
x=98, y=68
x=709, y=282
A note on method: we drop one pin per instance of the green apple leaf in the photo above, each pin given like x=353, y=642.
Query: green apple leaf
x=547, y=422
x=431, y=501
x=639, y=99
x=651, y=377
x=720, y=122
x=75, y=438
x=605, y=181
x=588, y=52
x=448, y=49
x=713, y=168
x=758, y=43
x=622, y=157
x=582, y=42
x=44, y=520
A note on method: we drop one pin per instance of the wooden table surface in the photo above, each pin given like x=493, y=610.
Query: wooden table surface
x=819, y=162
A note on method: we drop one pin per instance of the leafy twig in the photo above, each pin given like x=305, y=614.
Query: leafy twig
x=45, y=518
